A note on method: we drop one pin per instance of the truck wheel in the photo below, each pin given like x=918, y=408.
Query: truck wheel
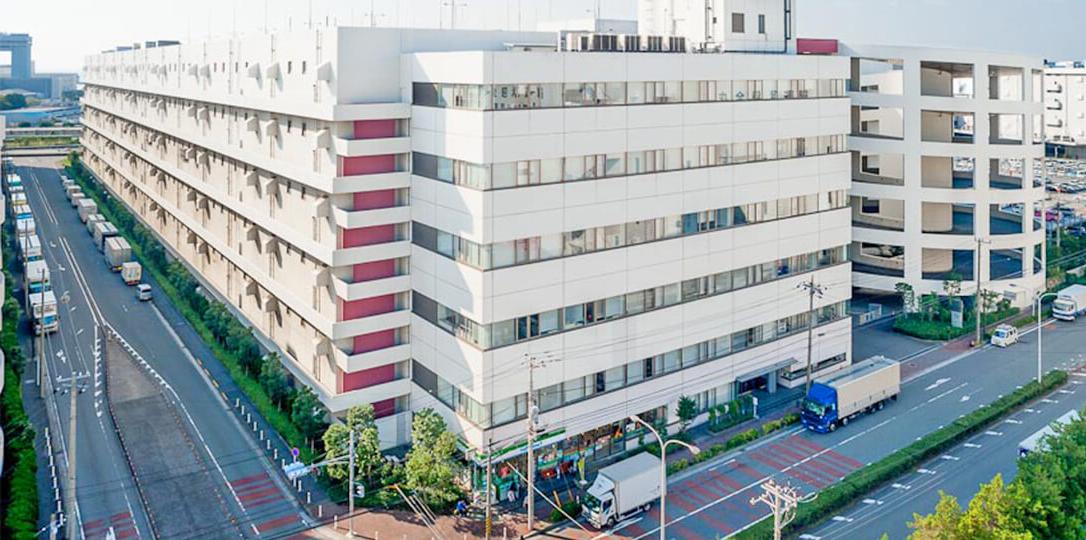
x=880, y=405
x=610, y=522
x=646, y=507
x=844, y=421
x=833, y=426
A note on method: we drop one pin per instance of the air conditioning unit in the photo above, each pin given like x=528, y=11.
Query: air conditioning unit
x=591, y=42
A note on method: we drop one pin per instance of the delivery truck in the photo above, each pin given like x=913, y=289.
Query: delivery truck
x=29, y=248
x=864, y=387
x=92, y=220
x=117, y=252
x=131, y=272
x=1070, y=303
x=20, y=211
x=102, y=231
x=25, y=226
x=35, y=279
x=622, y=490
x=43, y=308
x=76, y=197
x=72, y=189
x=86, y=207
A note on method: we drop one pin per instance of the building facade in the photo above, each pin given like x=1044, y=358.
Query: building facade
x=943, y=146
x=1065, y=109
x=413, y=218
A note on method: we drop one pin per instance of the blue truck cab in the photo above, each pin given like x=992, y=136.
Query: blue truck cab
x=819, y=412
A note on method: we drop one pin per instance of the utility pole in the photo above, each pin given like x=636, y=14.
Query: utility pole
x=531, y=442
x=350, y=487
x=70, y=504
x=489, y=487
x=812, y=289
x=782, y=500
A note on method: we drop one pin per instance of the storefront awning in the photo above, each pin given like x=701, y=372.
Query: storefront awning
x=765, y=370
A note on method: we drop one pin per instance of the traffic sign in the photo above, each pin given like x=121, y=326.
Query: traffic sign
x=295, y=470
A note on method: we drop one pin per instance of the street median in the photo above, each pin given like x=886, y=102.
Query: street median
x=866, y=479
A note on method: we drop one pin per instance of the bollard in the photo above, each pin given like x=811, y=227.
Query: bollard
x=237, y=402
x=262, y=434
x=282, y=463
x=320, y=511
x=248, y=417
x=276, y=454
x=308, y=497
x=269, y=444
x=335, y=521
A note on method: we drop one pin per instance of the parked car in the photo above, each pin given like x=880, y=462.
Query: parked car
x=1005, y=335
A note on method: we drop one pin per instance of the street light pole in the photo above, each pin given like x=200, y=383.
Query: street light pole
x=350, y=487
x=1040, y=321
x=663, y=469
x=980, y=290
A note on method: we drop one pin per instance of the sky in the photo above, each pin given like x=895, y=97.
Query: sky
x=64, y=31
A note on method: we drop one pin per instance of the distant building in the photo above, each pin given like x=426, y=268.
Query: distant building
x=1065, y=109
x=20, y=74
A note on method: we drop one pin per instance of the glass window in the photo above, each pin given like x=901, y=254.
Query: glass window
x=550, y=397
x=614, y=378
x=636, y=92
x=635, y=302
x=722, y=282
x=550, y=170
x=502, y=254
x=550, y=246
x=671, y=294
x=548, y=322
x=614, y=93
x=575, y=168
x=672, y=361
x=635, y=372
x=615, y=165
x=573, y=390
x=502, y=333
x=573, y=317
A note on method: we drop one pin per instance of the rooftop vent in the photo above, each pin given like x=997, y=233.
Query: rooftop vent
x=595, y=42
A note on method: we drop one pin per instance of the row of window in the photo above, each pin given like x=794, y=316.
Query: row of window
x=553, y=246
x=489, y=97
x=581, y=388
x=502, y=333
x=574, y=168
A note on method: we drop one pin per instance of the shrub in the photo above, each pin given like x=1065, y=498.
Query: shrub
x=573, y=508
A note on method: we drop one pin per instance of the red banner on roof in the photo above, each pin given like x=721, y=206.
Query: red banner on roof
x=816, y=46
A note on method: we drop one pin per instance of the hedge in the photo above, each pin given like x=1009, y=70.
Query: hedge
x=18, y=480
x=866, y=479
x=230, y=341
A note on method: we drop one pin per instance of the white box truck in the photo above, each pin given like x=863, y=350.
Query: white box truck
x=72, y=189
x=86, y=207
x=1070, y=303
x=622, y=490
x=29, y=248
x=91, y=220
x=103, y=230
x=35, y=279
x=131, y=272
x=76, y=197
x=25, y=226
x=44, y=310
x=865, y=386
x=117, y=252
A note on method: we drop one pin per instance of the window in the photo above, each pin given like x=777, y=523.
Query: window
x=737, y=23
x=761, y=24
x=870, y=206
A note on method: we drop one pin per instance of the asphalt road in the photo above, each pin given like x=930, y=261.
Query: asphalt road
x=713, y=499
x=958, y=472
x=260, y=501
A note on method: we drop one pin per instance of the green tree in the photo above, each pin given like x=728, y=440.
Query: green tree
x=1056, y=480
x=368, y=459
x=307, y=413
x=908, y=296
x=273, y=377
x=997, y=512
x=430, y=469
x=687, y=411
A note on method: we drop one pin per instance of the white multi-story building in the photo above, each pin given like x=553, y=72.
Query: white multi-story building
x=1065, y=108
x=413, y=217
x=943, y=150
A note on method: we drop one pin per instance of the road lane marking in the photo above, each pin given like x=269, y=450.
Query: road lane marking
x=1012, y=421
x=971, y=445
x=925, y=471
x=937, y=384
x=1065, y=391
x=994, y=433
x=842, y=518
x=875, y=502
x=1046, y=400
x=903, y=487
x=949, y=457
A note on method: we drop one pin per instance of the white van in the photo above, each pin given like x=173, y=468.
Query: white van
x=1005, y=335
x=143, y=292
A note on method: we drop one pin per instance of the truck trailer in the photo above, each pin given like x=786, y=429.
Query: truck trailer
x=866, y=386
x=117, y=252
x=86, y=207
x=92, y=220
x=102, y=231
x=29, y=248
x=43, y=308
x=1070, y=303
x=622, y=490
x=25, y=226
